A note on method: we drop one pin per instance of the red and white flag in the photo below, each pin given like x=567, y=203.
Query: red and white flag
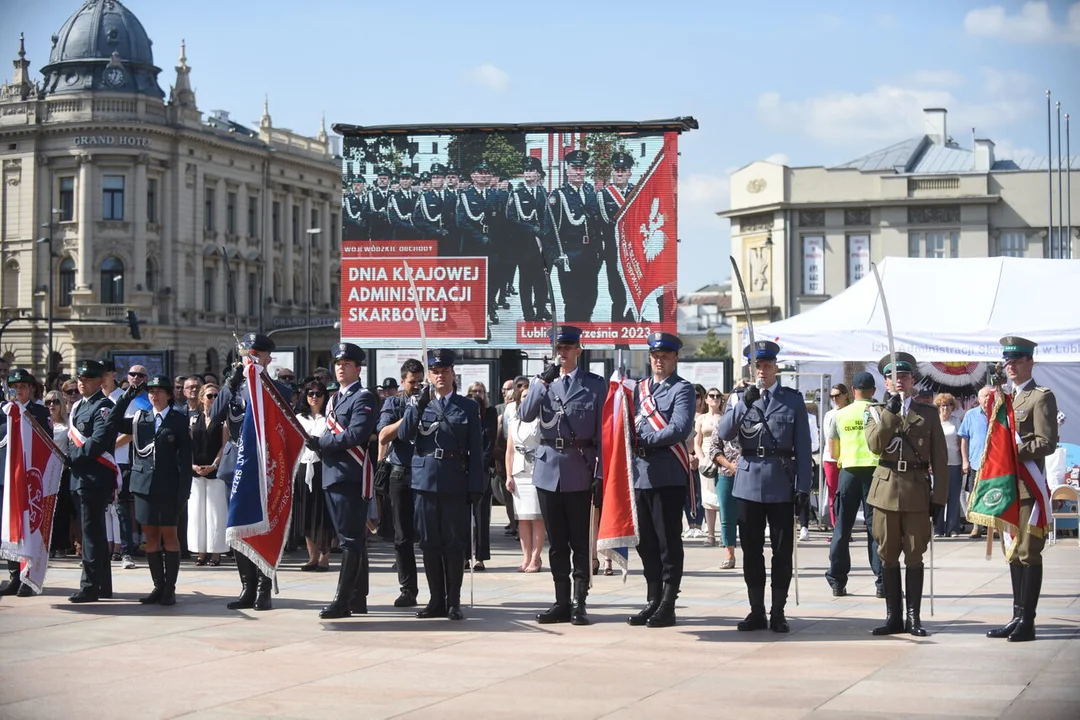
x=618, y=520
x=32, y=471
x=646, y=232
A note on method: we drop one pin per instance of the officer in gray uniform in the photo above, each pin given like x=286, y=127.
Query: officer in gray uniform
x=772, y=481
x=663, y=422
x=351, y=416
x=229, y=406
x=447, y=478
x=568, y=401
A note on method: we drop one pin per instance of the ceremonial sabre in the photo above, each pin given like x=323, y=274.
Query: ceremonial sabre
x=419, y=317
x=746, y=312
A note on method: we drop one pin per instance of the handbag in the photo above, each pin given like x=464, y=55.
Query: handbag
x=711, y=470
x=227, y=463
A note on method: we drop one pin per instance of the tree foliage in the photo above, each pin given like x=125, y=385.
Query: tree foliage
x=712, y=347
x=601, y=146
x=505, y=152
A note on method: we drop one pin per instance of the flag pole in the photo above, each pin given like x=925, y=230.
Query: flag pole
x=1068, y=190
x=1050, y=178
x=1062, y=240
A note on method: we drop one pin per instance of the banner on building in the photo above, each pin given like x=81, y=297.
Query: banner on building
x=503, y=227
x=813, y=265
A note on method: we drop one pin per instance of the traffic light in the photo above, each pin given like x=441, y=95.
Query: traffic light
x=133, y=325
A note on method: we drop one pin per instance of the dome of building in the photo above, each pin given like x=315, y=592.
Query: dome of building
x=103, y=46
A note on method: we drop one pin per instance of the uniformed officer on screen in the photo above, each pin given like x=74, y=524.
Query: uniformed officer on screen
x=572, y=242
x=447, y=478
x=611, y=200
x=663, y=421
x=526, y=212
x=772, y=481
x=375, y=209
x=229, y=407
x=1036, y=414
x=425, y=182
x=452, y=176
x=568, y=401
x=908, y=438
x=478, y=212
x=353, y=204
x=401, y=206
x=351, y=416
x=435, y=213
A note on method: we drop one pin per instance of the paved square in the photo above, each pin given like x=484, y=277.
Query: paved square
x=117, y=659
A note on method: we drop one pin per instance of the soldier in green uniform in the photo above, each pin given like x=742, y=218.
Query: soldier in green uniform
x=1035, y=410
x=908, y=438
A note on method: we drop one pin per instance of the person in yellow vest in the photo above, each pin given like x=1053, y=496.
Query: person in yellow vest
x=857, y=464
x=907, y=436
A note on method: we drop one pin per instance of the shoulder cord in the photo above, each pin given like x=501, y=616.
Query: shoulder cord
x=783, y=461
x=570, y=427
x=147, y=450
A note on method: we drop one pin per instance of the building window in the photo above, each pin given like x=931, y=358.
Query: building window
x=208, y=209
x=11, y=284
x=112, y=190
x=230, y=213
x=857, y=216
x=858, y=252
x=253, y=294
x=67, y=281
x=314, y=225
x=151, y=200
x=335, y=230
x=813, y=265
x=67, y=199
x=151, y=274
x=434, y=148
x=208, y=289
x=1012, y=244
x=112, y=281
x=934, y=244
x=934, y=215
x=642, y=149
x=275, y=221
x=296, y=224
x=335, y=295
x=278, y=285
x=812, y=218
x=297, y=288
x=253, y=216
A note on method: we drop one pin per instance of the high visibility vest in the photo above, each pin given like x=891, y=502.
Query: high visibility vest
x=849, y=425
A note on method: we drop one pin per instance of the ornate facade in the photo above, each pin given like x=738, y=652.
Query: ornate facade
x=197, y=225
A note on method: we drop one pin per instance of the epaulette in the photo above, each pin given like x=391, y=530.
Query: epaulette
x=1040, y=388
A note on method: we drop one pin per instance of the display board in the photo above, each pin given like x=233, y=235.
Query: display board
x=480, y=236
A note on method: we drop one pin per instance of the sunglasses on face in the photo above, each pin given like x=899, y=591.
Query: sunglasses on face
x=52, y=402
x=136, y=374
x=316, y=394
x=178, y=387
x=834, y=396
x=71, y=392
x=286, y=378
x=714, y=396
x=211, y=396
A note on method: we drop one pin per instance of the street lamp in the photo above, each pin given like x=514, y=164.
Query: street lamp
x=312, y=234
x=769, y=244
x=48, y=242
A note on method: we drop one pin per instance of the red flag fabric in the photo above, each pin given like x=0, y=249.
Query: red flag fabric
x=618, y=531
x=646, y=230
x=33, y=468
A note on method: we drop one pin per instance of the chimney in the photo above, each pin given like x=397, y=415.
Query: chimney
x=984, y=155
x=935, y=125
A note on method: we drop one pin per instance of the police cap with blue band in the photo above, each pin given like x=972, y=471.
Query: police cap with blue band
x=763, y=350
x=567, y=335
x=441, y=358
x=347, y=351
x=1014, y=347
x=662, y=341
x=257, y=341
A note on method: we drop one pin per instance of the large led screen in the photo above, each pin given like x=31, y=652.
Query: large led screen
x=483, y=237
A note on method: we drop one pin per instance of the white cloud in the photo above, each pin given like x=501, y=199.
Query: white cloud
x=935, y=78
x=1033, y=24
x=777, y=159
x=1005, y=150
x=489, y=76
x=703, y=189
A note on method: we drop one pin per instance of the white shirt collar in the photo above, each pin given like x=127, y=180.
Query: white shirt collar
x=162, y=413
x=1023, y=385
x=571, y=374
x=348, y=388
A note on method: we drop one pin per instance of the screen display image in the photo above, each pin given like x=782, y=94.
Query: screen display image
x=478, y=238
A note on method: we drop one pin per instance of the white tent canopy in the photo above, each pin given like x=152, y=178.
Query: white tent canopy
x=943, y=311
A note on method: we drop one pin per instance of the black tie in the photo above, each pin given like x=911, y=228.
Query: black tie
x=765, y=398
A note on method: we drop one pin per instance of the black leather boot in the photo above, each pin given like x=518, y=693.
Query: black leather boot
x=757, y=619
x=913, y=581
x=655, y=590
x=172, y=570
x=894, y=603
x=358, y=597
x=264, y=586
x=577, y=610
x=559, y=612
x=11, y=587
x=454, y=570
x=433, y=570
x=777, y=621
x=156, y=562
x=665, y=611
x=339, y=607
x=1029, y=600
x=1016, y=571
x=248, y=582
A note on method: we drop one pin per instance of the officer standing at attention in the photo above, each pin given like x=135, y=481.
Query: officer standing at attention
x=435, y=214
x=908, y=438
x=22, y=383
x=611, y=200
x=401, y=206
x=447, y=477
x=353, y=204
x=772, y=481
x=857, y=465
x=375, y=209
x=663, y=422
x=573, y=226
x=568, y=401
x=95, y=477
x=1035, y=410
x=526, y=214
x=350, y=418
x=229, y=406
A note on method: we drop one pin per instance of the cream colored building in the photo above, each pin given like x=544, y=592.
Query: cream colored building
x=803, y=235
x=147, y=205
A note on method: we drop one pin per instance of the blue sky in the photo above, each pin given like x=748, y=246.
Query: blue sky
x=804, y=83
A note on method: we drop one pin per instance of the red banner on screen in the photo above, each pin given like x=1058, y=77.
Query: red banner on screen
x=377, y=300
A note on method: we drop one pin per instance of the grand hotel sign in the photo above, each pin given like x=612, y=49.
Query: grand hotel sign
x=122, y=141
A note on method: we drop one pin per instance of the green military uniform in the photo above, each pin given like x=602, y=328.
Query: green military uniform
x=1035, y=411
x=911, y=447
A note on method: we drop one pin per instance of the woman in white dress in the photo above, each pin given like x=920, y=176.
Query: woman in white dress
x=522, y=440
x=704, y=424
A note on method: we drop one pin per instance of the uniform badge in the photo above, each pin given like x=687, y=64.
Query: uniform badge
x=552, y=201
x=105, y=413
x=81, y=426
